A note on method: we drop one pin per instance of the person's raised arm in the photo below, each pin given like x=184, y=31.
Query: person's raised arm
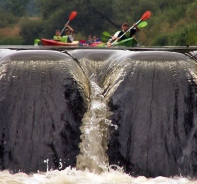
x=71, y=29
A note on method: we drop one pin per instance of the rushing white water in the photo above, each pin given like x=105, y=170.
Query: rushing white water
x=73, y=176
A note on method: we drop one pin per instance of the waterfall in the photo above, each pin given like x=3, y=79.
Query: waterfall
x=132, y=109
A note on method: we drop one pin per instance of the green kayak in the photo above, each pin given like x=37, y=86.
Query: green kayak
x=130, y=42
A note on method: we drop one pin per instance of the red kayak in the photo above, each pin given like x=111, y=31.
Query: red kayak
x=48, y=42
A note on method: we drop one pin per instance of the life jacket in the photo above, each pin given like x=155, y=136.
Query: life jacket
x=57, y=38
x=65, y=38
x=117, y=33
x=128, y=35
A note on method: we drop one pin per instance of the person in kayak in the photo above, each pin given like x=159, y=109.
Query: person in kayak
x=129, y=34
x=89, y=40
x=57, y=36
x=96, y=39
x=69, y=34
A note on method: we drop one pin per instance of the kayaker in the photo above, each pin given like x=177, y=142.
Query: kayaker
x=57, y=36
x=125, y=27
x=89, y=41
x=69, y=34
x=96, y=39
x=130, y=34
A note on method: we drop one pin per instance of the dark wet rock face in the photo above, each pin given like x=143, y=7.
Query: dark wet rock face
x=155, y=109
x=151, y=95
x=40, y=112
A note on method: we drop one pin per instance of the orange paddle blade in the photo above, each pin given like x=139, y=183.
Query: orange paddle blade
x=72, y=15
x=146, y=15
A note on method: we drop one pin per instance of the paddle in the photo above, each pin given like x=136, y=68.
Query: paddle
x=142, y=24
x=71, y=17
x=104, y=39
x=145, y=16
x=105, y=33
x=36, y=41
x=139, y=26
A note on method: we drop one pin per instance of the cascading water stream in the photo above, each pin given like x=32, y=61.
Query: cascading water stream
x=95, y=123
x=94, y=131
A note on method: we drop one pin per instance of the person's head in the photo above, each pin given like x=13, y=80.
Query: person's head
x=67, y=32
x=89, y=37
x=94, y=37
x=57, y=32
x=125, y=26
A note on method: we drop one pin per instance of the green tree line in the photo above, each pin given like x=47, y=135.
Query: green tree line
x=172, y=23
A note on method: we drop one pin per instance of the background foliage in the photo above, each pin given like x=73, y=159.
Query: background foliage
x=173, y=23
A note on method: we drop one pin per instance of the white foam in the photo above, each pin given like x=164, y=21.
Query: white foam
x=73, y=176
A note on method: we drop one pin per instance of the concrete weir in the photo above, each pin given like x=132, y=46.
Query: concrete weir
x=99, y=108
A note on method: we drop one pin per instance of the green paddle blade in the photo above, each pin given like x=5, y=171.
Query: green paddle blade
x=36, y=41
x=104, y=39
x=105, y=33
x=142, y=24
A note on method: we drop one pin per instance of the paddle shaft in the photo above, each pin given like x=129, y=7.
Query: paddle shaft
x=64, y=27
x=71, y=17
